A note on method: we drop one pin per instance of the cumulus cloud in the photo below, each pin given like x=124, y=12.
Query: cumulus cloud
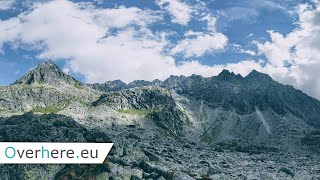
x=198, y=43
x=211, y=22
x=181, y=12
x=201, y=44
x=297, y=53
x=101, y=44
x=238, y=48
x=6, y=4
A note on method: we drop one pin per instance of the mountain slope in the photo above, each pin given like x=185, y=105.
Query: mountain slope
x=49, y=73
x=247, y=111
x=154, y=102
x=242, y=94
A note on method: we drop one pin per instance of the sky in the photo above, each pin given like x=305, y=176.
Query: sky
x=101, y=40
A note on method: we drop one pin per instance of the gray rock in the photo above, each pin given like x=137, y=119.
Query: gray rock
x=102, y=176
x=136, y=174
x=120, y=173
x=181, y=176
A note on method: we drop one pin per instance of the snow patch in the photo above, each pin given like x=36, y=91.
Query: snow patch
x=263, y=120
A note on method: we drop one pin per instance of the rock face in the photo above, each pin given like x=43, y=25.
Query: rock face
x=157, y=103
x=223, y=127
x=145, y=98
x=49, y=73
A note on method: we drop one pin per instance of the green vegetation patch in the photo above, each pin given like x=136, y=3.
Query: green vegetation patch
x=2, y=111
x=52, y=109
x=78, y=86
x=134, y=111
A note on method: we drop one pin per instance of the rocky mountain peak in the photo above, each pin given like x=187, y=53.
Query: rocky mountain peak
x=255, y=75
x=224, y=72
x=47, y=73
x=115, y=83
x=225, y=75
x=138, y=83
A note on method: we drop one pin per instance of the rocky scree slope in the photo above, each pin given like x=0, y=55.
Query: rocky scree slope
x=49, y=128
x=156, y=103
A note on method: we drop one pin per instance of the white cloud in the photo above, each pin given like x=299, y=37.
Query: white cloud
x=194, y=67
x=196, y=44
x=6, y=4
x=193, y=33
x=101, y=44
x=211, y=22
x=201, y=44
x=238, y=48
x=298, y=52
x=251, y=53
x=181, y=12
x=94, y=39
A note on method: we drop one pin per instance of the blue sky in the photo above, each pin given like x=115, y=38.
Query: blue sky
x=103, y=40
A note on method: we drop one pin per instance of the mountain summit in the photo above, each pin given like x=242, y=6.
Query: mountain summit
x=47, y=73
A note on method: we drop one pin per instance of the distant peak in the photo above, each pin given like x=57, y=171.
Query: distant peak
x=47, y=73
x=49, y=62
x=226, y=74
x=118, y=81
x=195, y=76
x=49, y=65
x=254, y=72
x=258, y=75
x=173, y=77
x=139, y=83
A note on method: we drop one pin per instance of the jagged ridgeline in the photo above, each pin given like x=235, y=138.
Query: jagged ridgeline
x=182, y=127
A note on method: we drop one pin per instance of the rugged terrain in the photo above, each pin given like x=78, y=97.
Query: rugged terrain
x=223, y=127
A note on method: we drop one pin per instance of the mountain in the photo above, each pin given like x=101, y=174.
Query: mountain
x=242, y=94
x=44, y=89
x=221, y=127
x=245, y=95
x=49, y=73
